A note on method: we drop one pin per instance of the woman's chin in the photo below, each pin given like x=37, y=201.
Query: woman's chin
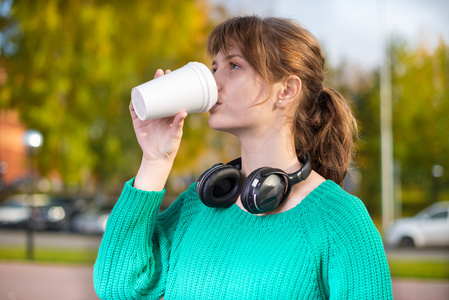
x=216, y=124
x=213, y=124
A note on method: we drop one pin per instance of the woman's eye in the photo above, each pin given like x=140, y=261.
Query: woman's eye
x=234, y=66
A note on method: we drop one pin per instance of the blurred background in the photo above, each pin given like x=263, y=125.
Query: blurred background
x=67, y=145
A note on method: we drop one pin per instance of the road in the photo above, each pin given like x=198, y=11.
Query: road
x=23, y=281
x=426, y=254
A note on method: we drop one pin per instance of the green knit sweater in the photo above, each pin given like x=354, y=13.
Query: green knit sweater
x=325, y=248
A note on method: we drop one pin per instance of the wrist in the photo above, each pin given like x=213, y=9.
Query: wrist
x=153, y=174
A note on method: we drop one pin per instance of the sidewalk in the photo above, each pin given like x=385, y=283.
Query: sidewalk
x=24, y=281
x=420, y=290
x=34, y=281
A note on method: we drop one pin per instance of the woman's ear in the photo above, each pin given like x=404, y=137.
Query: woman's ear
x=291, y=88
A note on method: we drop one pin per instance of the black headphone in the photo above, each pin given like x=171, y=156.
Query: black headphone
x=263, y=190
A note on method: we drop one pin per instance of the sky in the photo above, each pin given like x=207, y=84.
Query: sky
x=355, y=31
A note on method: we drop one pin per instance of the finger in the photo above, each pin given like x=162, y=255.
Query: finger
x=133, y=114
x=132, y=111
x=178, y=120
x=167, y=71
x=180, y=116
x=159, y=73
x=131, y=108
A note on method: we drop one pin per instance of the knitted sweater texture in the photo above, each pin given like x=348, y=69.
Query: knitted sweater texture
x=325, y=248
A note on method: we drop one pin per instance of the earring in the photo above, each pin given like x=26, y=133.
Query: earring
x=280, y=101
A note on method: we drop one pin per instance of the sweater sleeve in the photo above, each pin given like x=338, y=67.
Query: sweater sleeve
x=132, y=260
x=358, y=267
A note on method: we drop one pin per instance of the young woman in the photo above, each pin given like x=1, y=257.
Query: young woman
x=314, y=241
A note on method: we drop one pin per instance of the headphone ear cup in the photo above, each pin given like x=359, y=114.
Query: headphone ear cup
x=262, y=192
x=248, y=190
x=220, y=186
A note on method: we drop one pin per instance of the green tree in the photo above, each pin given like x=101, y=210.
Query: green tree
x=420, y=122
x=361, y=89
x=420, y=88
x=71, y=66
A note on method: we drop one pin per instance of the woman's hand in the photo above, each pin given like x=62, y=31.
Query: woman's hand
x=160, y=140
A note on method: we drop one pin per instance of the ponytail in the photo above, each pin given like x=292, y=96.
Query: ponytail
x=326, y=128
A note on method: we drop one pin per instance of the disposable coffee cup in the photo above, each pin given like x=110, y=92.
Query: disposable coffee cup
x=191, y=88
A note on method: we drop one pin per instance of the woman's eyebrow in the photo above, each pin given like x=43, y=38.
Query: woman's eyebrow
x=228, y=57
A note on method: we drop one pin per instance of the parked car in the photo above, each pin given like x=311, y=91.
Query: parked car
x=91, y=221
x=16, y=210
x=430, y=227
x=58, y=214
x=48, y=212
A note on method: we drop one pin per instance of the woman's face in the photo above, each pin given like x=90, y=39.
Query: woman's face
x=240, y=87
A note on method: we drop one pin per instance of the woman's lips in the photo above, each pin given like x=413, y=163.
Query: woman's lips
x=216, y=105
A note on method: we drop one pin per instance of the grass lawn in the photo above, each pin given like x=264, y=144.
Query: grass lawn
x=48, y=255
x=419, y=269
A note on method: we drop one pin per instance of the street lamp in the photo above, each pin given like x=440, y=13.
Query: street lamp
x=33, y=140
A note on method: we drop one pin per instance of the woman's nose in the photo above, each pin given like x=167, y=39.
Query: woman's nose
x=217, y=81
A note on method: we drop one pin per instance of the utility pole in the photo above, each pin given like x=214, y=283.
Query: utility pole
x=386, y=131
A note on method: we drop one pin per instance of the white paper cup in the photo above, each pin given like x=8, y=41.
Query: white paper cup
x=191, y=88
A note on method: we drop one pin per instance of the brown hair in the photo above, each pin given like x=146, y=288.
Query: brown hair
x=276, y=48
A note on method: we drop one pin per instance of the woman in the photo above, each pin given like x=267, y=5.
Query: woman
x=317, y=242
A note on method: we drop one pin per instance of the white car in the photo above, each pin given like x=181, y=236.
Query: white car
x=428, y=228
x=92, y=221
x=15, y=211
